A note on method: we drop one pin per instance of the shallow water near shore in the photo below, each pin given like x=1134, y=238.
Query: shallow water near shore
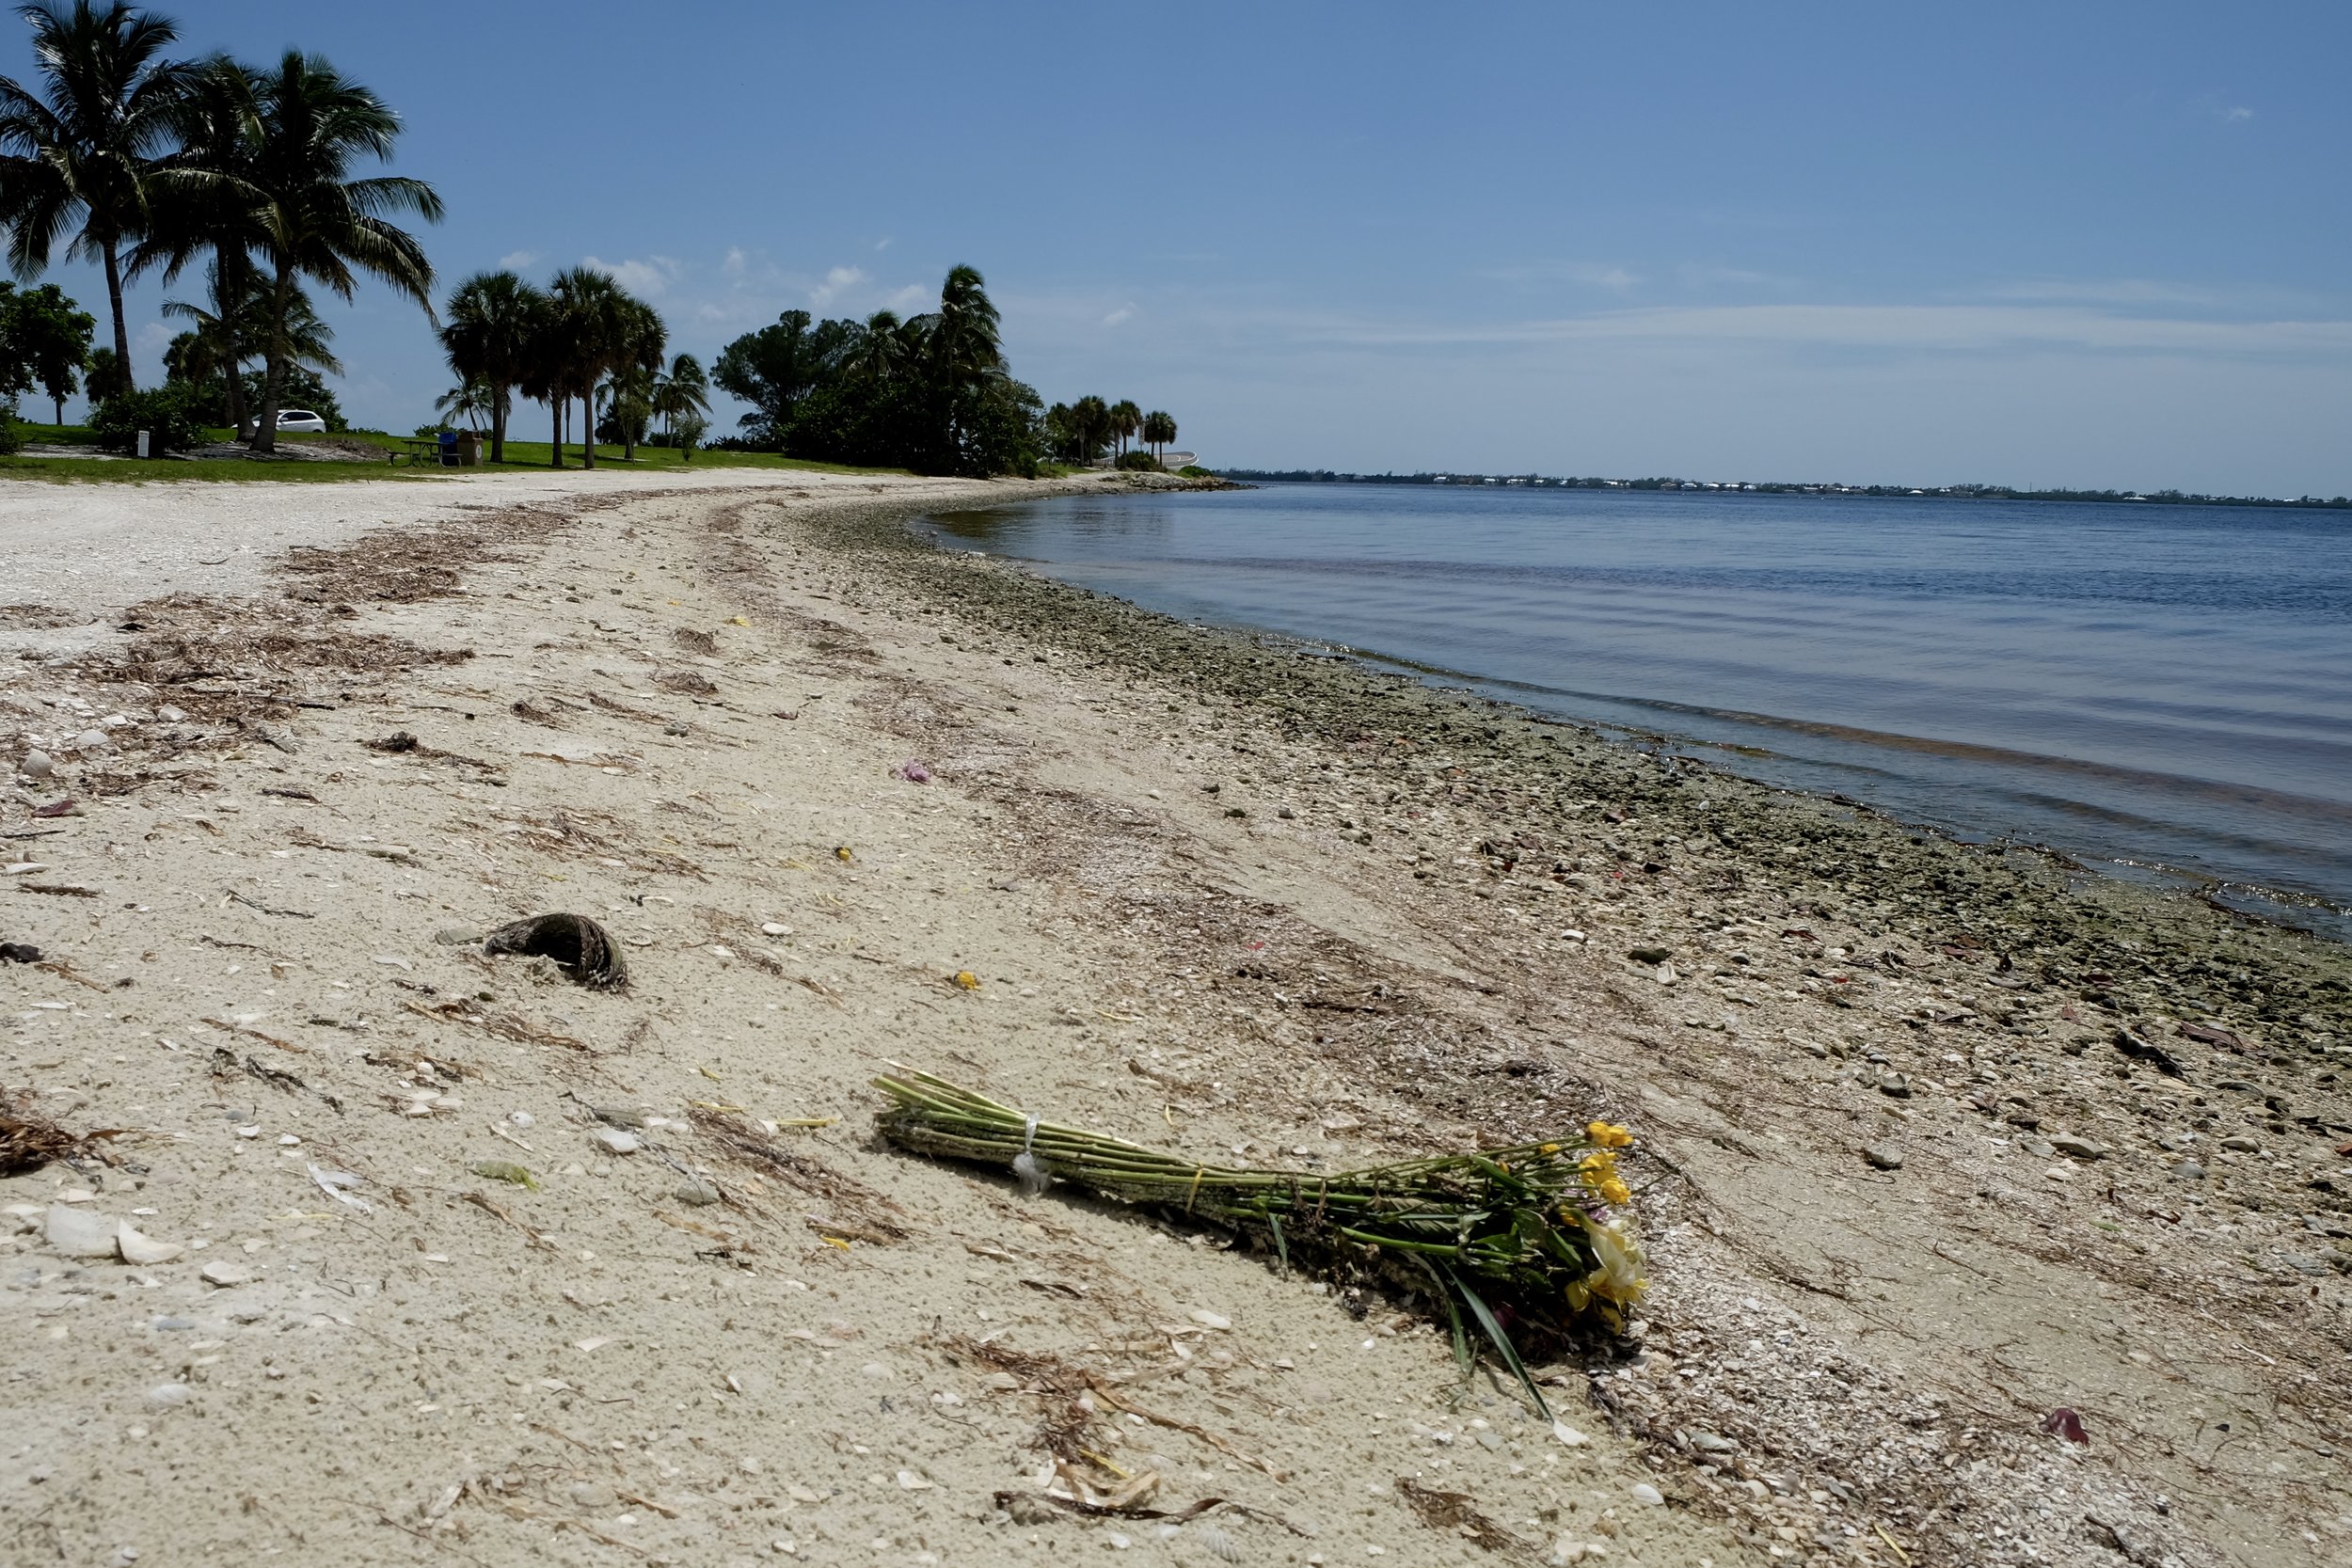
x=2163, y=690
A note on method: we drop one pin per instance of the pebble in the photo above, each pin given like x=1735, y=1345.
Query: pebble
x=145, y=1250
x=695, y=1194
x=36, y=766
x=92, y=741
x=1650, y=955
x=1647, y=1495
x=2079, y=1148
x=170, y=714
x=455, y=936
x=2242, y=1144
x=169, y=1394
x=775, y=929
x=1711, y=1442
x=2189, y=1170
x=79, y=1232
x=594, y=1495
x=1884, y=1157
x=618, y=1142
x=1210, y=1319
x=226, y=1275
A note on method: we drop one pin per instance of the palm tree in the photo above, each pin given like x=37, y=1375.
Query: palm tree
x=203, y=201
x=314, y=221
x=225, y=335
x=1126, y=418
x=1090, y=421
x=470, y=401
x=584, y=331
x=682, y=393
x=1159, y=429
x=493, y=318
x=80, y=151
x=638, y=339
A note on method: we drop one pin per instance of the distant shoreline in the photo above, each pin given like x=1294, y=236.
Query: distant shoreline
x=1943, y=492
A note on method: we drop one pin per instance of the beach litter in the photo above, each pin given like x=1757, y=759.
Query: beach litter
x=1532, y=1235
x=583, y=948
x=911, y=771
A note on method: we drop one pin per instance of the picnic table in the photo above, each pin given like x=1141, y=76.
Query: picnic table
x=439, y=450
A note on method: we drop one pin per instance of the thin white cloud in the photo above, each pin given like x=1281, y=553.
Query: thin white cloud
x=882, y=244
x=1593, y=275
x=650, y=278
x=1125, y=313
x=517, y=260
x=837, y=282
x=735, y=262
x=2236, y=113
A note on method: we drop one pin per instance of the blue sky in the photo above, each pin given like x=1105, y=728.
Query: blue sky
x=2079, y=244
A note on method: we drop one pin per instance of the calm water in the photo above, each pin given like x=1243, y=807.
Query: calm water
x=2167, y=688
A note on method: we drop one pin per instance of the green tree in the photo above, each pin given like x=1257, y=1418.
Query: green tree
x=1090, y=417
x=634, y=366
x=205, y=203
x=228, y=331
x=772, y=370
x=313, y=124
x=49, y=336
x=78, y=154
x=470, y=401
x=1159, y=429
x=103, y=378
x=491, y=339
x=1125, y=419
x=584, y=331
x=683, y=391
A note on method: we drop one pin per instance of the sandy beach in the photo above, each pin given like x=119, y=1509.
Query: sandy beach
x=1995, y=1213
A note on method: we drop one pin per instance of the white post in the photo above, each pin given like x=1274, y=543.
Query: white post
x=143, y=440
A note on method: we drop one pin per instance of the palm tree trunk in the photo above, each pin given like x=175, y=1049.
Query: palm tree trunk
x=588, y=426
x=274, y=360
x=60, y=402
x=556, y=405
x=114, y=300
x=230, y=290
x=498, y=426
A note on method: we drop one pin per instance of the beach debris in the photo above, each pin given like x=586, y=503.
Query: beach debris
x=912, y=771
x=687, y=683
x=2145, y=1051
x=2215, y=1035
x=56, y=808
x=337, y=1185
x=73, y=1231
x=698, y=642
x=18, y=953
x=1883, y=1156
x=29, y=1140
x=144, y=1250
x=1527, y=1229
x=966, y=980
x=1650, y=955
x=585, y=949
x=2065, y=1423
x=506, y=1171
x=1456, y=1513
x=614, y=1141
x=226, y=1276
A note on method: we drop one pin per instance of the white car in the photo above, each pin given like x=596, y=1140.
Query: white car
x=300, y=421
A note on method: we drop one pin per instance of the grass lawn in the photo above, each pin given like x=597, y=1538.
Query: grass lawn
x=533, y=455
x=520, y=456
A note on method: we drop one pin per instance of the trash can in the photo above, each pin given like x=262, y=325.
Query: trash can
x=449, y=449
x=468, y=448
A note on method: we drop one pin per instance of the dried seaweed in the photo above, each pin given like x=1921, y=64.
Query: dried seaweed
x=857, y=1208
x=29, y=1140
x=1452, y=1512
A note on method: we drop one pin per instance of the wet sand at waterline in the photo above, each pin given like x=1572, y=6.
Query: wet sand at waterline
x=1903, y=1192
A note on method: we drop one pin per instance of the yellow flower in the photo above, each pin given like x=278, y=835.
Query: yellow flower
x=968, y=981
x=1548, y=1149
x=1614, y=1191
x=1609, y=1135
